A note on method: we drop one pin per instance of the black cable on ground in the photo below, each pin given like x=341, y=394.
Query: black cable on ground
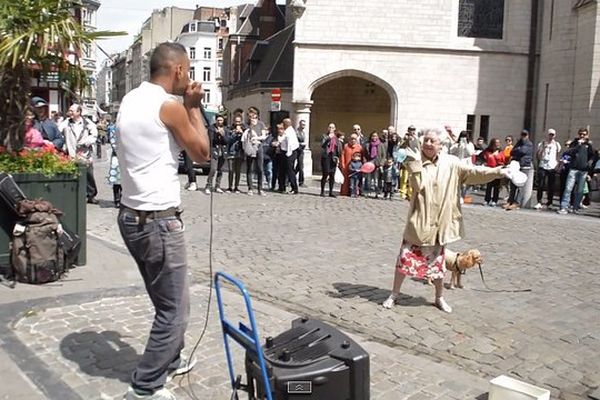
x=191, y=393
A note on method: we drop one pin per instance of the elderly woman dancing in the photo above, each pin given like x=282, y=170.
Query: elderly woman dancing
x=434, y=219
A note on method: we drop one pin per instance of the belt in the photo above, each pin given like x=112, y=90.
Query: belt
x=142, y=217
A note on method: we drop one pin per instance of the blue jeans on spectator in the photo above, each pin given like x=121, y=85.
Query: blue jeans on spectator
x=354, y=184
x=574, y=177
x=268, y=172
x=157, y=245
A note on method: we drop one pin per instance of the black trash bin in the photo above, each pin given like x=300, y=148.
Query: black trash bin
x=312, y=360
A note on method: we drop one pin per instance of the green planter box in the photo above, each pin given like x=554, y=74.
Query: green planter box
x=65, y=192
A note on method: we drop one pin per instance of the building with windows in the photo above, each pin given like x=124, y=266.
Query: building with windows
x=492, y=67
x=201, y=39
x=104, y=84
x=57, y=93
x=162, y=25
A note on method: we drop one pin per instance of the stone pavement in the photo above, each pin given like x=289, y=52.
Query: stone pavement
x=333, y=259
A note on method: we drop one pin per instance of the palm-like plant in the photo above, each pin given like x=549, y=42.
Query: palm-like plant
x=37, y=35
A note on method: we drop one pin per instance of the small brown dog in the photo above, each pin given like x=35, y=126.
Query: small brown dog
x=458, y=263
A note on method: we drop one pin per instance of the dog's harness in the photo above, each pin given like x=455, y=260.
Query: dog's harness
x=455, y=265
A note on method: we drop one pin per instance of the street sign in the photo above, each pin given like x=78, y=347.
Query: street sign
x=276, y=94
x=275, y=106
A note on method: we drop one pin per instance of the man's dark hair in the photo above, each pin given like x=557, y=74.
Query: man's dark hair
x=163, y=55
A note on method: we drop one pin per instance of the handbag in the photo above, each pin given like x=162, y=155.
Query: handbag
x=339, y=176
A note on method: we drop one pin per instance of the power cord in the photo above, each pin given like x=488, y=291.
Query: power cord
x=191, y=393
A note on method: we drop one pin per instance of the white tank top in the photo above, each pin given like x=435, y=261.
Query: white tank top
x=147, y=152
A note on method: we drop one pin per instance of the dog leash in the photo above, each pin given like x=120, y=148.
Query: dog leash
x=498, y=290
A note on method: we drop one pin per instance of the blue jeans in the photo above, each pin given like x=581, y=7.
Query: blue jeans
x=354, y=183
x=574, y=177
x=159, y=251
x=268, y=171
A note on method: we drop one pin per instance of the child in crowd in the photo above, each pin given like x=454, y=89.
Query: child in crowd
x=390, y=178
x=355, y=174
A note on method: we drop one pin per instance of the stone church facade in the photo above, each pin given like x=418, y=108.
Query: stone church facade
x=492, y=67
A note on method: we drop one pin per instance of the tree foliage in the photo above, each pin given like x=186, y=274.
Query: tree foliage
x=38, y=36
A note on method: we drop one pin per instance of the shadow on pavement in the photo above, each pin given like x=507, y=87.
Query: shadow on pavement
x=102, y=354
x=373, y=294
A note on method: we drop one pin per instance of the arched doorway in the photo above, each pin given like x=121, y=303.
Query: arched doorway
x=348, y=100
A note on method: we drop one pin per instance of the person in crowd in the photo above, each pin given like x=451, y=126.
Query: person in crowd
x=494, y=157
x=102, y=137
x=330, y=157
x=405, y=188
x=522, y=152
x=581, y=155
x=252, y=139
x=46, y=126
x=449, y=139
x=361, y=138
x=548, y=154
x=33, y=138
x=347, y=152
x=375, y=152
x=279, y=164
x=235, y=154
x=480, y=146
x=268, y=159
x=81, y=135
x=58, y=118
x=508, y=146
x=219, y=138
x=302, y=135
x=289, y=146
x=192, y=183
x=355, y=173
x=152, y=125
x=393, y=143
x=114, y=171
x=464, y=150
x=385, y=135
x=434, y=219
x=389, y=176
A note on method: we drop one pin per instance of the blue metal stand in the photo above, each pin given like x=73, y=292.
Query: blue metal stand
x=246, y=337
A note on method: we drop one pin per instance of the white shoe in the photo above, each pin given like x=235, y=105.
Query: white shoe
x=493, y=204
x=442, y=305
x=219, y=190
x=538, y=206
x=161, y=394
x=250, y=193
x=207, y=191
x=192, y=187
x=184, y=367
x=390, y=301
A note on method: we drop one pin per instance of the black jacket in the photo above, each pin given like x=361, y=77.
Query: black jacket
x=582, y=155
x=523, y=153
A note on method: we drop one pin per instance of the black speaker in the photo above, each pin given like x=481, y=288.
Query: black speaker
x=312, y=360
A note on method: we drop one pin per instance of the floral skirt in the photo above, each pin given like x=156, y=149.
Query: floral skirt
x=421, y=261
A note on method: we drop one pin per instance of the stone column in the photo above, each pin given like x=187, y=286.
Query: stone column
x=302, y=112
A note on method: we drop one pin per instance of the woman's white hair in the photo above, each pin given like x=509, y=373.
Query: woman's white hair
x=439, y=131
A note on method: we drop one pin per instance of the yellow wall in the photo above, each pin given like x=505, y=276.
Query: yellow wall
x=347, y=101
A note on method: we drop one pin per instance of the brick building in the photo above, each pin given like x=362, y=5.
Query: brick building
x=493, y=67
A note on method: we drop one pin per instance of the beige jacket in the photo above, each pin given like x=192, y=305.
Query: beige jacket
x=435, y=216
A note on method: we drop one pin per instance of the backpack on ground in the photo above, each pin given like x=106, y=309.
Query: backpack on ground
x=37, y=255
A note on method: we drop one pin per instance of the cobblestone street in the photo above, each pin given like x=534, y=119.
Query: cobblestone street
x=333, y=259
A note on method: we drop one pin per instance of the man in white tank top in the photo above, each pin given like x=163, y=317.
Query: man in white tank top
x=153, y=127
